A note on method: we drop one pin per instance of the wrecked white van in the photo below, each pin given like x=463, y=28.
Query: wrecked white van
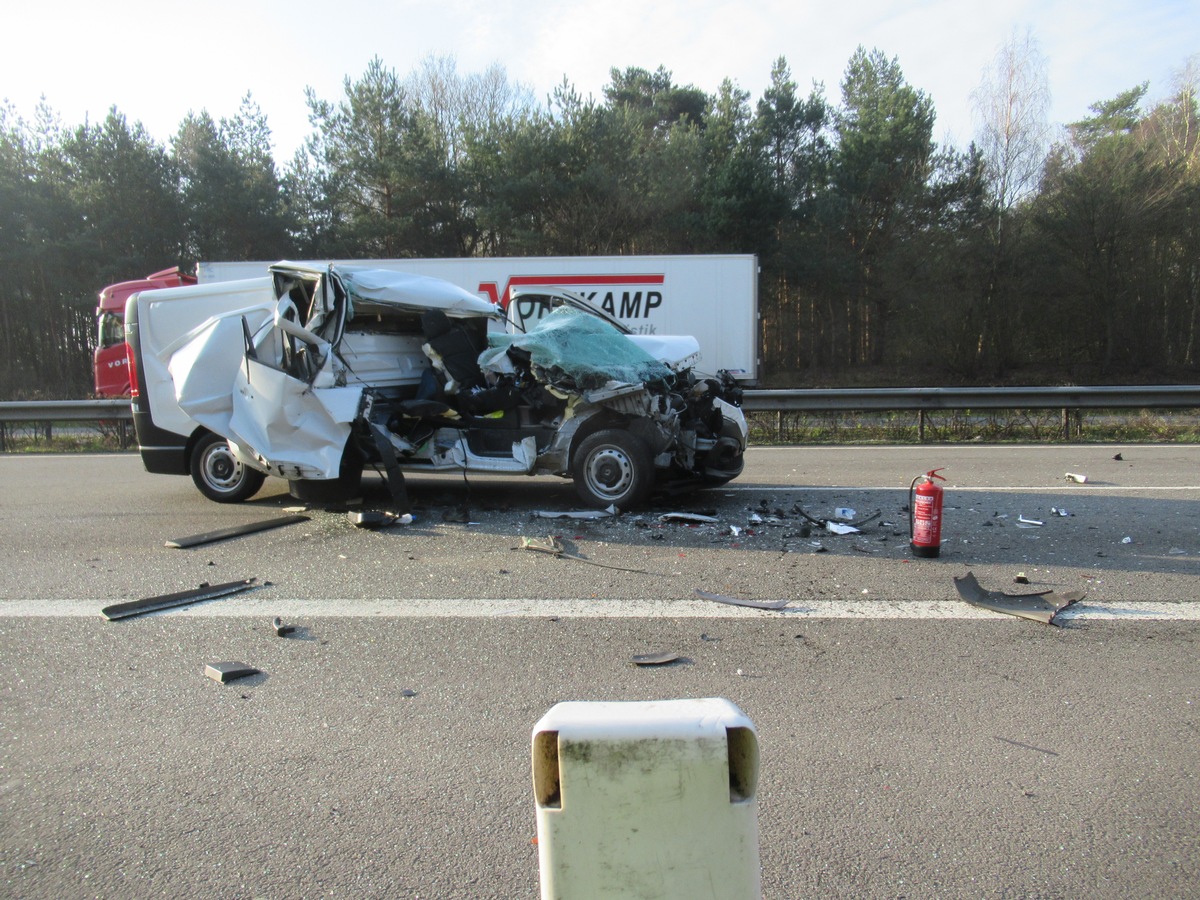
x=313, y=374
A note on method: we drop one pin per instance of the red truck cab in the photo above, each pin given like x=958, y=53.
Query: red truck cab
x=111, y=359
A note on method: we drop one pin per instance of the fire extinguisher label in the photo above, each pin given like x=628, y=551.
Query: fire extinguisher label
x=925, y=521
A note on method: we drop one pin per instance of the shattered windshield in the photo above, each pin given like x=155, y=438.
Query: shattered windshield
x=579, y=346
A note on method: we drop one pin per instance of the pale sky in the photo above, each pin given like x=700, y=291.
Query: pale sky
x=156, y=60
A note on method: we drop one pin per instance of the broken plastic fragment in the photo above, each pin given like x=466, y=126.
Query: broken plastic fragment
x=209, y=537
x=1042, y=606
x=845, y=513
x=547, y=545
x=1076, y=478
x=1033, y=523
x=168, y=601
x=840, y=528
x=688, y=517
x=737, y=601
x=228, y=671
x=655, y=659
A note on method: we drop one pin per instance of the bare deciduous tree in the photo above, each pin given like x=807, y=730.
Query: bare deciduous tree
x=1010, y=105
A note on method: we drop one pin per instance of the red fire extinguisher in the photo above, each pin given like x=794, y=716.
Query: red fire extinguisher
x=925, y=514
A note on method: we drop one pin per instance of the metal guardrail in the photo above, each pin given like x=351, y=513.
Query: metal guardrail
x=920, y=399
x=925, y=400
x=859, y=399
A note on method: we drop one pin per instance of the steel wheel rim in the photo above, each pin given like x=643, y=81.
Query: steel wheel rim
x=221, y=468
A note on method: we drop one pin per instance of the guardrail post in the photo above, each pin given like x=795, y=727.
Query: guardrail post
x=1066, y=424
x=920, y=426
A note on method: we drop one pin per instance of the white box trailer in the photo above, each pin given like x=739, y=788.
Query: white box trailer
x=711, y=297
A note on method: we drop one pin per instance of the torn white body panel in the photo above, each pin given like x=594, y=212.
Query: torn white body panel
x=289, y=429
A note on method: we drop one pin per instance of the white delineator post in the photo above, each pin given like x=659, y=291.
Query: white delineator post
x=647, y=799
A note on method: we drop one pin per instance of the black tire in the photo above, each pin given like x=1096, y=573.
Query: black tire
x=612, y=468
x=219, y=475
x=346, y=486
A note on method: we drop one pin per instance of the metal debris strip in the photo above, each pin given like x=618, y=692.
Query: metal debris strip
x=1042, y=606
x=655, y=659
x=169, y=601
x=737, y=601
x=282, y=630
x=577, y=513
x=225, y=672
x=209, y=537
x=554, y=547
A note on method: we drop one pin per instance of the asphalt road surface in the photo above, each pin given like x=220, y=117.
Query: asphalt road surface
x=912, y=745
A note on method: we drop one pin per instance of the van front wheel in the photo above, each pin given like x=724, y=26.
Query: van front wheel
x=220, y=475
x=612, y=468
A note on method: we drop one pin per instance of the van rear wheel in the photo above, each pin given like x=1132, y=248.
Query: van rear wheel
x=221, y=476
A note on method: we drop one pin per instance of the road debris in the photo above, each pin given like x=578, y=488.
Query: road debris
x=840, y=528
x=1042, y=606
x=1021, y=578
x=737, y=601
x=282, y=630
x=205, y=591
x=551, y=545
x=209, y=537
x=1077, y=478
x=375, y=519
x=655, y=659
x=1029, y=523
x=225, y=672
x=585, y=514
x=845, y=513
x=689, y=518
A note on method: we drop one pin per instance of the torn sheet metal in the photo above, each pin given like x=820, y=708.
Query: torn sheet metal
x=221, y=534
x=1042, y=606
x=168, y=601
x=737, y=601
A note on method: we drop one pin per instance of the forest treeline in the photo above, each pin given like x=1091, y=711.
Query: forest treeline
x=885, y=258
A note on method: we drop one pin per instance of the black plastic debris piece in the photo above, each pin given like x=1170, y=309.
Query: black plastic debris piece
x=282, y=630
x=205, y=591
x=655, y=659
x=221, y=534
x=225, y=672
x=737, y=601
x=1042, y=606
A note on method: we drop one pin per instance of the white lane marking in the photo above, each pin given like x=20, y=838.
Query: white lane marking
x=254, y=607
x=1081, y=489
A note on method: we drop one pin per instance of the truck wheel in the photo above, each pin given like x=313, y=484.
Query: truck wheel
x=220, y=475
x=612, y=468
